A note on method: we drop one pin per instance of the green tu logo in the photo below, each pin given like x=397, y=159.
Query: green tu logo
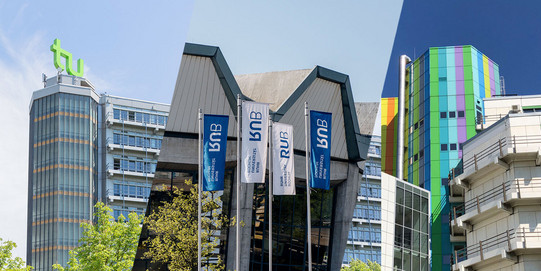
x=58, y=53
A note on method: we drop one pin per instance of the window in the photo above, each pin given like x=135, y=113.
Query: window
x=444, y=181
x=443, y=115
x=131, y=116
x=453, y=146
x=460, y=114
x=421, y=153
x=116, y=114
x=421, y=123
x=123, y=115
x=415, y=157
x=416, y=125
x=443, y=147
x=138, y=116
x=452, y=114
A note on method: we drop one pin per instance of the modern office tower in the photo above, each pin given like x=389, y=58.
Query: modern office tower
x=213, y=88
x=63, y=168
x=85, y=148
x=364, y=238
x=499, y=180
x=132, y=136
x=405, y=225
x=446, y=88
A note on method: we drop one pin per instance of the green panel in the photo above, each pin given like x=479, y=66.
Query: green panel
x=468, y=86
x=466, y=50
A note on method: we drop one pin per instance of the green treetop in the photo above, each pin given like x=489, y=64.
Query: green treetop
x=358, y=265
x=173, y=228
x=106, y=245
x=7, y=262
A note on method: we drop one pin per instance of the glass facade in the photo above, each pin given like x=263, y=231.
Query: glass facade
x=289, y=230
x=62, y=176
x=411, y=239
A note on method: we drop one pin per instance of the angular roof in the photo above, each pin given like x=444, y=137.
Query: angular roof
x=205, y=79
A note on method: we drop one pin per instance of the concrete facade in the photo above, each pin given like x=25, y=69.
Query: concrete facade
x=499, y=180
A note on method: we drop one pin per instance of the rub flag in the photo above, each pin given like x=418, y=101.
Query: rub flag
x=283, y=159
x=320, y=149
x=255, y=117
x=214, y=151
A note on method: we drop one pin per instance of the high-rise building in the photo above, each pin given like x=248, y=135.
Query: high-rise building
x=445, y=90
x=132, y=136
x=81, y=152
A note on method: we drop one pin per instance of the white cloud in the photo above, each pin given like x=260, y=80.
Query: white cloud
x=20, y=74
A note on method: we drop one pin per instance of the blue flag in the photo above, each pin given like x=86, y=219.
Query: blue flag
x=214, y=147
x=320, y=149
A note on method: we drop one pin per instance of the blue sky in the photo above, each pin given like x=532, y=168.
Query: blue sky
x=352, y=37
x=129, y=50
x=508, y=32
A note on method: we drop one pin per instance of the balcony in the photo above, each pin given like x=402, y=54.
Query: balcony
x=111, y=146
x=110, y=120
x=501, y=198
x=499, y=248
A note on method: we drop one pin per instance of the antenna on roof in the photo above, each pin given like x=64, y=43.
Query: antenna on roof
x=44, y=78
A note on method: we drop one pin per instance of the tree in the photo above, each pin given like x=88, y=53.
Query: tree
x=6, y=260
x=358, y=265
x=107, y=245
x=173, y=230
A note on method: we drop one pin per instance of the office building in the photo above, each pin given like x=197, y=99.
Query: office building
x=213, y=88
x=132, y=136
x=77, y=158
x=498, y=184
x=405, y=225
x=444, y=101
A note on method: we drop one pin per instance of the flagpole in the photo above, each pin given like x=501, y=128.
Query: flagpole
x=308, y=219
x=270, y=197
x=239, y=172
x=200, y=177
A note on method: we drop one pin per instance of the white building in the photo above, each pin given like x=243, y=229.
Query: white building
x=131, y=132
x=499, y=180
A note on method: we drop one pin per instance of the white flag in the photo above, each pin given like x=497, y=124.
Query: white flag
x=255, y=117
x=283, y=159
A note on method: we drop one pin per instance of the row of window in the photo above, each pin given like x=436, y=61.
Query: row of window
x=364, y=211
x=134, y=165
x=140, y=117
x=137, y=141
x=451, y=114
x=364, y=234
x=370, y=190
x=117, y=211
x=131, y=191
x=372, y=169
x=374, y=150
x=362, y=254
x=443, y=147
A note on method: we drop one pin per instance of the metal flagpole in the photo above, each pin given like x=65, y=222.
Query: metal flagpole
x=200, y=177
x=270, y=197
x=308, y=219
x=239, y=172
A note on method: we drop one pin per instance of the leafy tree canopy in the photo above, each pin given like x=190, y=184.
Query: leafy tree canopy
x=106, y=245
x=358, y=265
x=7, y=262
x=173, y=228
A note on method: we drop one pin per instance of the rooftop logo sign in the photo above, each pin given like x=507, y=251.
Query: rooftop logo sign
x=58, y=53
